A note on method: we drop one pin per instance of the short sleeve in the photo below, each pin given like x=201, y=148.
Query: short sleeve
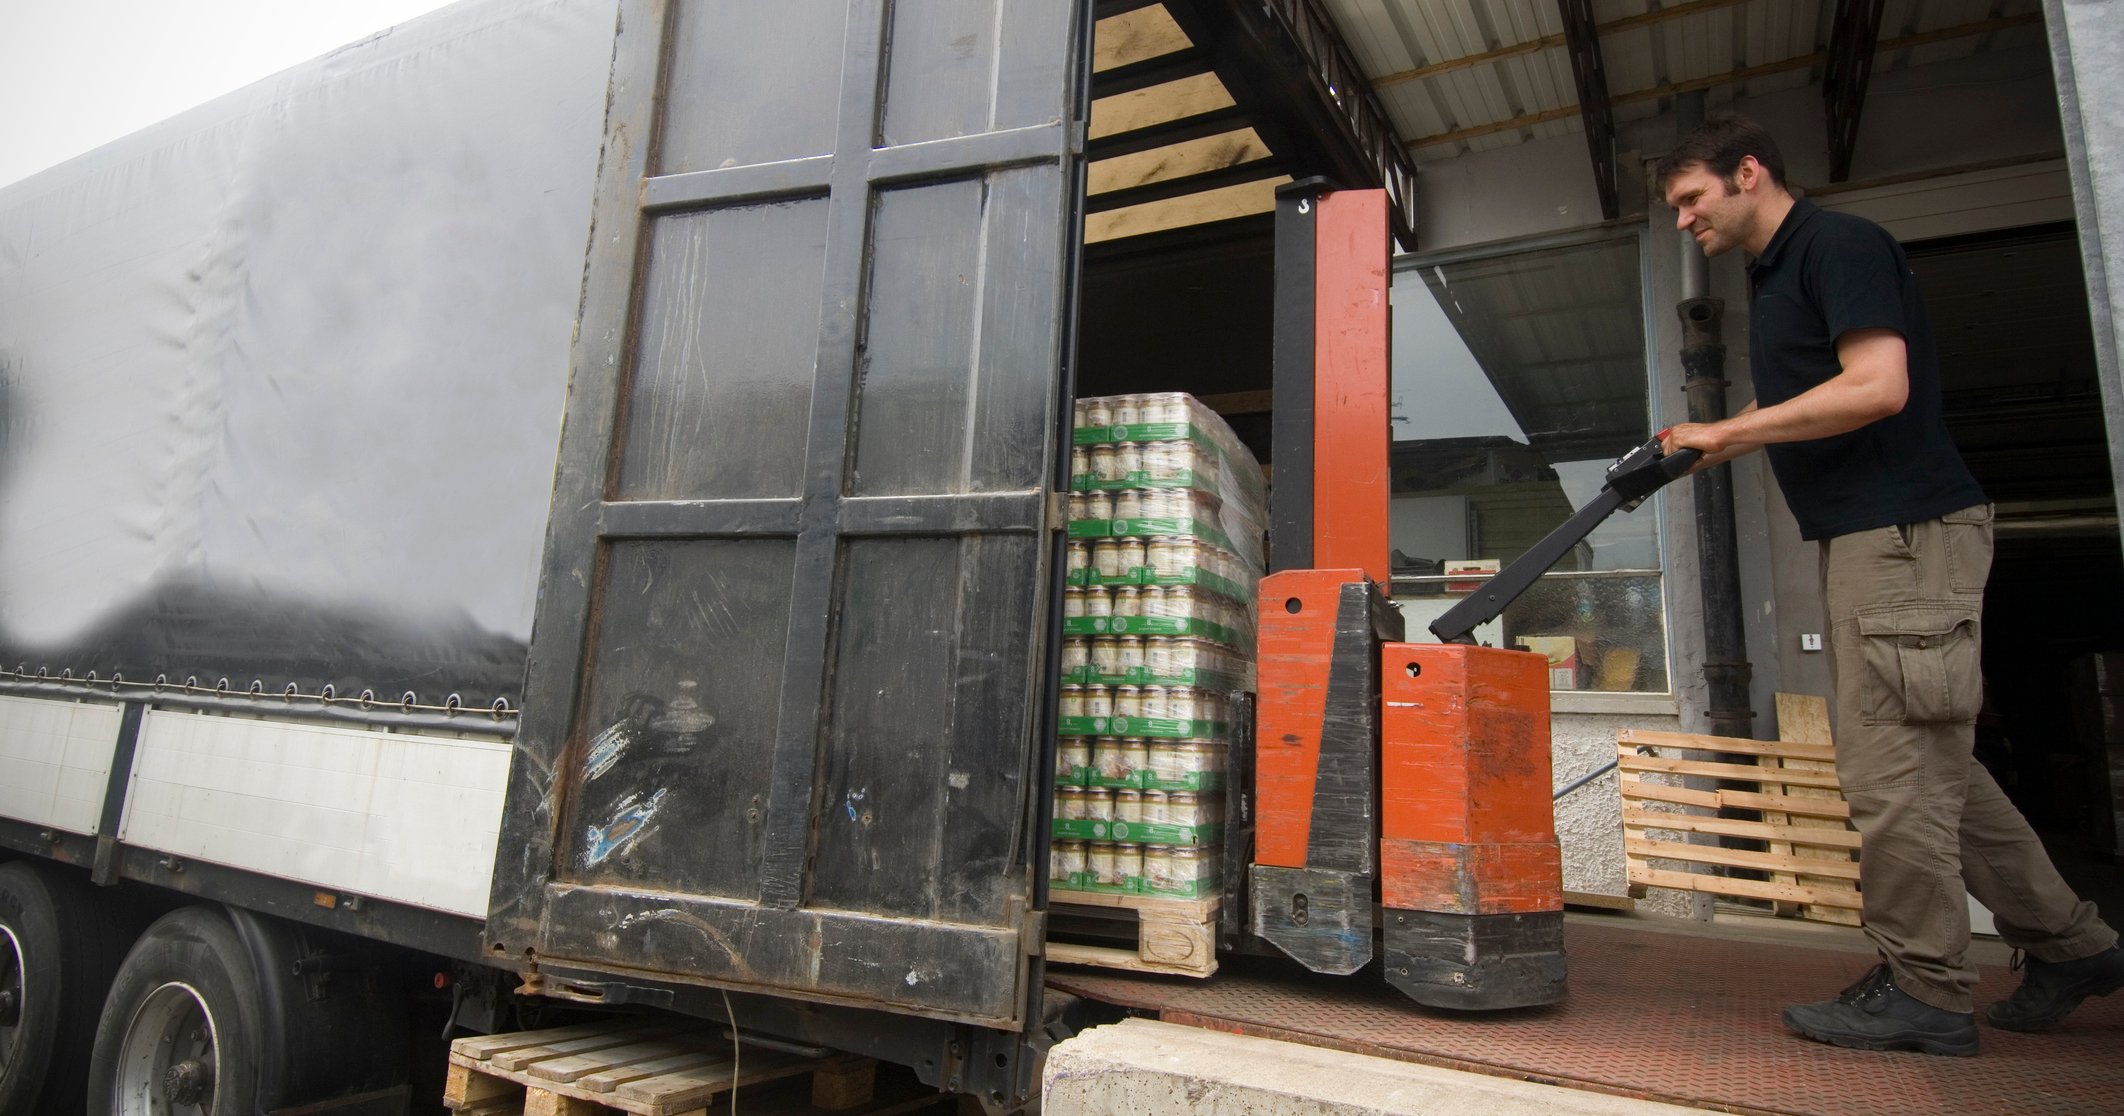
x=1862, y=280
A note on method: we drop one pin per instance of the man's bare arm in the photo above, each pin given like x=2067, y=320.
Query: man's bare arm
x=1874, y=383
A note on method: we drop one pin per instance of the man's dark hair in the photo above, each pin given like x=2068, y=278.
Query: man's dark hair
x=1719, y=145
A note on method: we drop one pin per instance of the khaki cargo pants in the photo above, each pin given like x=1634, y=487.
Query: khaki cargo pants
x=1904, y=607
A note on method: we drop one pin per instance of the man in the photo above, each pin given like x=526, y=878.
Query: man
x=1847, y=401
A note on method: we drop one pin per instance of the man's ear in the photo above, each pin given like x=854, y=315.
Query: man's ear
x=1748, y=173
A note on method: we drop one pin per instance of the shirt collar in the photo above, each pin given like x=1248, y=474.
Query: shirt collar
x=1802, y=211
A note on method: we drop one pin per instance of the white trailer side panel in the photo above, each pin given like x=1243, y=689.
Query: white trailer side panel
x=391, y=815
x=55, y=761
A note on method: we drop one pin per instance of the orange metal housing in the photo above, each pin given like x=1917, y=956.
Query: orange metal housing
x=1297, y=661
x=1351, y=425
x=1466, y=822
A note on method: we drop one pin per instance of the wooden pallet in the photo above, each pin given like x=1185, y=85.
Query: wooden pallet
x=1792, y=785
x=1176, y=936
x=623, y=1066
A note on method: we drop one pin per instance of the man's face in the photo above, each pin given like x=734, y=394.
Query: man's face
x=1718, y=212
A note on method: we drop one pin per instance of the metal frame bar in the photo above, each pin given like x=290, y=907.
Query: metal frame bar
x=1853, y=37
x=1292, y=451
x=1582, y=39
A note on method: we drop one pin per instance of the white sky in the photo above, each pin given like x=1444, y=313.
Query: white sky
x=77, y=74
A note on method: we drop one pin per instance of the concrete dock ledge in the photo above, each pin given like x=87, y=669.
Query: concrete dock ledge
x=1141, y=1066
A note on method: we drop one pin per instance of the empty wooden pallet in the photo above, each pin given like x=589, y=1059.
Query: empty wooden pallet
x=1809, y=859
x=622, y=1066
x=1177, y=936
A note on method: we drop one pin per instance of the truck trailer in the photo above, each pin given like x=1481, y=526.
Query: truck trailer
x=564, y=506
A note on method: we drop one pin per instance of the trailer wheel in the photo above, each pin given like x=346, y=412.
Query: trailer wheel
x=181, y=1028
x=57, y=953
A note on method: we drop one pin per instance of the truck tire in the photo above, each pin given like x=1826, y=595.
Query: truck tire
x=58, y=950
x=181, y=1027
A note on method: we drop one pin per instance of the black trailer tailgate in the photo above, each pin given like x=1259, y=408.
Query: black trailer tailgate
x=784, y=717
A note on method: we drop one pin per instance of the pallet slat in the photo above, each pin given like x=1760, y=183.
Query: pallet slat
x=1752, y=889
x=569, y=1069
x=1729, y=827
x=1782, y=749
x=1636, y=788
x=1739, y=858
x=523, y=1056
x=1738, y=772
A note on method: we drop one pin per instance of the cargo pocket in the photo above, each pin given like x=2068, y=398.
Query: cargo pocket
x=1921, y=664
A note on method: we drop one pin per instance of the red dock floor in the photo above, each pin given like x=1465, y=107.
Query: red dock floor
x=1682, y=1017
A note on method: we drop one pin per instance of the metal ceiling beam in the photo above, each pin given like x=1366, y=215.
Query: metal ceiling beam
x=1852, y=41
x=1286, y=64
x=1549, y=42
x=1582, y=39
x=1106, y=9
x=1731, y=77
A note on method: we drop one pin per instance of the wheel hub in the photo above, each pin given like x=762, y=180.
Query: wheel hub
x=167, y=1059
x=188, y=1082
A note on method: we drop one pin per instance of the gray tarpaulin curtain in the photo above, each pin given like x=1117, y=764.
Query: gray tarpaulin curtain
x=281, y=377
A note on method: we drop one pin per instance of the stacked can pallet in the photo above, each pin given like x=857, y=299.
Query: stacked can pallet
x=1166, y=525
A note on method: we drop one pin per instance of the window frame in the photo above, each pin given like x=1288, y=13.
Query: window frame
x=1594, y=701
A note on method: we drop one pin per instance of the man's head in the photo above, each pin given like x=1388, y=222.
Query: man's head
x=1726, y=182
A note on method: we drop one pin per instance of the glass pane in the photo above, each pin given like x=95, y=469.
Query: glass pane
x=672, y=764
x=943, y=70
x=930, y=721
x=721, y=396
x=1599, y=633
x=732, y=102
x=1518, y=379
x=918, y=351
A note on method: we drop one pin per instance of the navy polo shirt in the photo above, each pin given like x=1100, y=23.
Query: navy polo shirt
x=1822, y=275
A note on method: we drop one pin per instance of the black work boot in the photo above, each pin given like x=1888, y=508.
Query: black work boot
x=2051, y=989
x=1876, y=1015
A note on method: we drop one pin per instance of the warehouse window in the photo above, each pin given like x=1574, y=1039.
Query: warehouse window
x=1520, y=373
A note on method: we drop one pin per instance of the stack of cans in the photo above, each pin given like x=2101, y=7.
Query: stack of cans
x=1166, y=531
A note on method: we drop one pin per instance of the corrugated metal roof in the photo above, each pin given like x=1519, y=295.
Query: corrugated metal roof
x=1469, y=75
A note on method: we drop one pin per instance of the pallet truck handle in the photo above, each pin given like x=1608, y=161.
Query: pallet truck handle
x=1633, y=476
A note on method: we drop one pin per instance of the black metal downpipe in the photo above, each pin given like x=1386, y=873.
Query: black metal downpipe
x=1726, y=667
